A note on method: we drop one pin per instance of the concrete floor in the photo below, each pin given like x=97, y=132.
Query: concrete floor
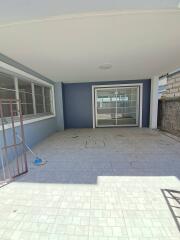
x=119, y=184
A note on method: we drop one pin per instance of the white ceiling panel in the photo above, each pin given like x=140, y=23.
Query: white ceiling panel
x=19, y=10
x=137, y=45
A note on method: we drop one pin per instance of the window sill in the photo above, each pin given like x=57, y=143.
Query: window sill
x=27, y=121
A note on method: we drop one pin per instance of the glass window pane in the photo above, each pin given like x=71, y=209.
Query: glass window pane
x=6, y=81
x=7, y=111
x=7, y=94
x=27, y=109
x=39, y=108
x=25, y=97
x=48, y=108
x=38, y=90
x=39, y=98
x=47, y=97
x=24, y=86
x=47, y=94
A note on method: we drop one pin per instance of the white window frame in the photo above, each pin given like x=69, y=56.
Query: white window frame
x=140, y=85
x=17, y=73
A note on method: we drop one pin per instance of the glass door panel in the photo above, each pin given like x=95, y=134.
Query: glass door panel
x=127, y=106
x=117, y=106
x=106, y=107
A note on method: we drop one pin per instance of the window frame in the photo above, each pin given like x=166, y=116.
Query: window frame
x=18, y=91
x=19, y=74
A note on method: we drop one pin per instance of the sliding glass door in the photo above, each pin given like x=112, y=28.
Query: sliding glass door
x=117, y=106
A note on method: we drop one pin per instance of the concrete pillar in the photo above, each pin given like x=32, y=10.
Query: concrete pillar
x=154, y=102
x=59, y=106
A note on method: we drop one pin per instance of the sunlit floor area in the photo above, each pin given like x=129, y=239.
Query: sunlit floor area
x=105, y=184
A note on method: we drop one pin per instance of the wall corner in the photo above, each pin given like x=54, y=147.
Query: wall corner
x=154, y=103
x=59, y=105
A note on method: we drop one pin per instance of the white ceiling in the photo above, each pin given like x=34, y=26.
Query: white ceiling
x=71, y=47
x=18, y=10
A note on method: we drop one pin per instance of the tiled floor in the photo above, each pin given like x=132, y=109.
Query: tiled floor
x=97, y=184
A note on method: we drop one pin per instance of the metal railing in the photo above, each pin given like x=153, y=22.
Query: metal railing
x=13, y=154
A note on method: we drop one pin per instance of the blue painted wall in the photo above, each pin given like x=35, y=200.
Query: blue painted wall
x=77, y=103
x=37, y=131
x=34, y=132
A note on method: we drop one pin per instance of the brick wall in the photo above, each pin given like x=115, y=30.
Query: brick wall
x=169, y=115
x=169, y=106
x=173, y=86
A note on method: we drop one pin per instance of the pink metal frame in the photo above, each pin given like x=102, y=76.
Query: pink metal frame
x=18, y=166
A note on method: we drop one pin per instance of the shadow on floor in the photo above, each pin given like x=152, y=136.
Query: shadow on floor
x=172, y=198
x=81, y=168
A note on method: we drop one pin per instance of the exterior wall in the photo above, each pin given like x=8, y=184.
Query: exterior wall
x=39, y=130
x=34, y=132
x=169, y=106
x=77, y=99
x=169, y=115
x=173, y=86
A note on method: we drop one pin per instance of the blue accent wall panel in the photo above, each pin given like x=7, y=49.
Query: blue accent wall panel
x=34, y=133
x=77, y=102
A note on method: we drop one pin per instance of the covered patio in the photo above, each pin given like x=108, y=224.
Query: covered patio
x=79, y=84
x=105, y=184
